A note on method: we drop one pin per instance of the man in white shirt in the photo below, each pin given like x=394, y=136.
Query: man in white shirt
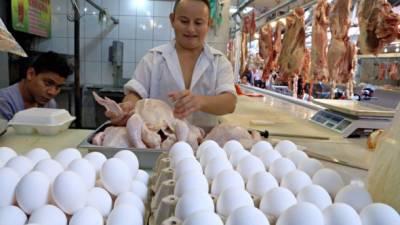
x=192, y=77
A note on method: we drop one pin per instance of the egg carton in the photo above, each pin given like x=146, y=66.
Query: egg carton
x=164, y=201
x=27, y=176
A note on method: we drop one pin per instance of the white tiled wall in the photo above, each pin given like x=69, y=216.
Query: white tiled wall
x=141, y=27
x=143, y=24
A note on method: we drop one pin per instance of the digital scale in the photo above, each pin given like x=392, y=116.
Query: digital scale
x=351, y=118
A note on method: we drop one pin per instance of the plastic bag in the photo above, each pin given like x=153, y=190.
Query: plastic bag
x=8, y=43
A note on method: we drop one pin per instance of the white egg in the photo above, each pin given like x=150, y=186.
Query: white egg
x=280, y=167
x=130, y=199
x=84, y=169
x=69, y=192
x=224, y=180
x=177, y=158
x=276, y=201
x=88, y=216
x=9, y=180
x=189, y=182
x=96, y=159
x=303, y=213
x=295, y=181
x=231, y=199
x=215, y=166
x=125, y=214
x=202, y=218
x=180, y=148
x=37, y=154
x=232, y=146
x=328, y=179
x=355, y=196
x=139, y=189
x=48, y=215
x=50, y=167
x=99, y=199
x=236, y=156
x=269, y=156
x=192, y=202
x=297, y=157
x=260, y=147
x=115, y=184
x=143, y=177
x=379, y=214
x=249, y=165
x=130, y=159
x=21, y=164
x=316, y=195
x=211, y=153
x=341, y=214
x=247, y=215
x=310, y=166
x=186, y=165
x=12, y=215
x=260, y=183
x=33, y=191
x=6, y=154
x=205, y=144
x=64, y=157
x=285, y=147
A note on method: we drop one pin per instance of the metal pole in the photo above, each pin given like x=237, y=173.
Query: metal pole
x=77, y=88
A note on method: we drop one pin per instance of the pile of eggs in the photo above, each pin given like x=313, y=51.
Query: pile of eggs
x=266, y=185
x=71, y=189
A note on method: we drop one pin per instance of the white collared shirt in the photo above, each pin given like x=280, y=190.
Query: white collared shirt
x=159, y=73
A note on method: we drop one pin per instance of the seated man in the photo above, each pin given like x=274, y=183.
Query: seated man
x=42, y=83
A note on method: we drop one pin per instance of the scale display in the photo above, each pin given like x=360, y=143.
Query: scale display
x=348, y=117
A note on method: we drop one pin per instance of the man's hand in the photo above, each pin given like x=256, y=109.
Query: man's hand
x=185, y=103
x=119, y=119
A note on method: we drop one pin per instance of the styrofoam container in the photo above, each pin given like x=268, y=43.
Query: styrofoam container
x=45, y=121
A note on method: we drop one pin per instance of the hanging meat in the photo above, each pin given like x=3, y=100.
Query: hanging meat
x=243, y=45
x=393, y=72
x=341, y=51
x=293, y=46
x=277, y=44
x=379, y=25
x=266, y=49
x=319, y=47
x=305, y=70
x=382, y=71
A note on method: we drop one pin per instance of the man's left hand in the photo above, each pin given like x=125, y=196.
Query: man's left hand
x=185, y=103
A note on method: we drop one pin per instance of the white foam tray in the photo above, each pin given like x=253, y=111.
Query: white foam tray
x=41, y=120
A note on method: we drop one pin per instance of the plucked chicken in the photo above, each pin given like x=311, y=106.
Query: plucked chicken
x=225, y=132
x=152, y=125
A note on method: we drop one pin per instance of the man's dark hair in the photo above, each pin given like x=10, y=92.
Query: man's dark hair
x=52, y=62
x=204, y=1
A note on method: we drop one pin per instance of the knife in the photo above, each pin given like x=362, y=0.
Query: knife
x=266, y=134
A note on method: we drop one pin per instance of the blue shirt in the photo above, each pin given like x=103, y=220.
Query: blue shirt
x=11, y=102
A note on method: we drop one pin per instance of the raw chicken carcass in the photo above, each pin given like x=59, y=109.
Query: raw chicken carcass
x=379, y=25
x=319, y=47
x=225, y=132
x=114, y=137
x=153, y=125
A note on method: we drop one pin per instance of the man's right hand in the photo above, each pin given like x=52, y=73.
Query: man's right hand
x=119, y=119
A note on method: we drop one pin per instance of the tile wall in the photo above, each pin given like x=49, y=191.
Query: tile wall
x=143, y=25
